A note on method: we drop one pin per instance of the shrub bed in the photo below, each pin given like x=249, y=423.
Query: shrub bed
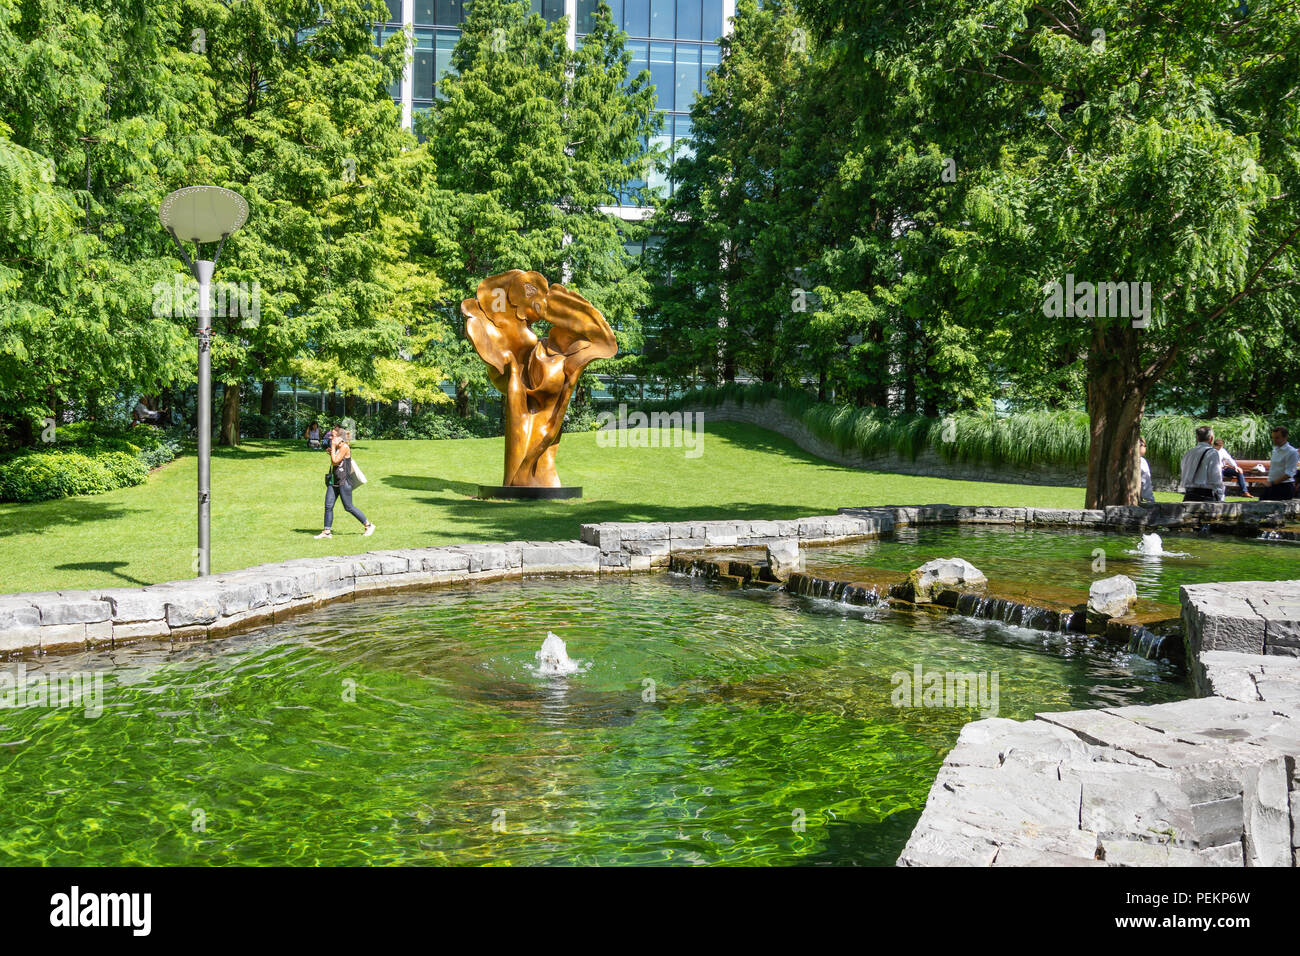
x=85, y=458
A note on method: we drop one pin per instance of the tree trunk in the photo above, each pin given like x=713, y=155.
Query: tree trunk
x=462, y=398
x=25, y=430
x=268, y=398
x=334, y=402
x=1117, y=394
x=230, y=416
x=350, y=405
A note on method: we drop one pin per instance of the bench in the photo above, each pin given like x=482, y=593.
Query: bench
x=1253, y=478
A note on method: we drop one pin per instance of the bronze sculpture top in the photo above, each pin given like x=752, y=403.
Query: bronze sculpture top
x=535, y=375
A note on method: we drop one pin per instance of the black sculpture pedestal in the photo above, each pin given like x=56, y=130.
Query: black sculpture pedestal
x=520, y=492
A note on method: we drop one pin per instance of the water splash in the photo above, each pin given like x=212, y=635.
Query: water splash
x=1151, y=546
x=553, y=659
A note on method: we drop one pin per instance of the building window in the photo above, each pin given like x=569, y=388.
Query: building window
x=442, y=64
x=636, y=18
x=422, y=65
x=661, y=73
x=688, y=20
x=661, y=18
x=688, y=74
x=712, y=28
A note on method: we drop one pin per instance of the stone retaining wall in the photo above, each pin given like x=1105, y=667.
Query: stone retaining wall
x=774, y=417
x=223, y=603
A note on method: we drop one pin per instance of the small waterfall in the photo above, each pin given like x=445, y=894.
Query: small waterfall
x=1153, y=647
x=806, y=585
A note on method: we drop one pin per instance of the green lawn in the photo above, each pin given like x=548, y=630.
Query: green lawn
x=268, y=497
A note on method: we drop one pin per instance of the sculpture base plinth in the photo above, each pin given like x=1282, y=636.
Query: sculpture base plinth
x=528, y=493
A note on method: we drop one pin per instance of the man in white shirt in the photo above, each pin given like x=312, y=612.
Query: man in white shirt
x=1281, y=469
x=1201, y=476
x=1231, y=470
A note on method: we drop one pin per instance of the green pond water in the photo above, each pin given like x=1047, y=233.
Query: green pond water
x=1066, y=560
x=413, y=729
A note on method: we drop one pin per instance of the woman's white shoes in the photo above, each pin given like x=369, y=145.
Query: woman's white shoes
x=325, y=534
x=370, y=529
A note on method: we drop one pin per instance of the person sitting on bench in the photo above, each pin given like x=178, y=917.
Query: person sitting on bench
x=1146, y=493
x=1281, y=469
x=1231, y=470
x=1202, y=478
x=143, y=414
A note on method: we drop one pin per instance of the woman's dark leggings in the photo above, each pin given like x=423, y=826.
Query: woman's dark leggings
x=343, y=491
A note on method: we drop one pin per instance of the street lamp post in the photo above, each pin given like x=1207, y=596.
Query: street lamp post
x=203, y=214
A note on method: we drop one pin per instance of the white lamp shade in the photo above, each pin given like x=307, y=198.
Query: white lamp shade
x=203, y=213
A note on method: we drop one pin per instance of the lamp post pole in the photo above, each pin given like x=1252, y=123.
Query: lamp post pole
x=203, y=214
x=203, y=273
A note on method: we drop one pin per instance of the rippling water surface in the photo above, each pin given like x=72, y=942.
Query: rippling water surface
x=703, y=728
x=1069, y=560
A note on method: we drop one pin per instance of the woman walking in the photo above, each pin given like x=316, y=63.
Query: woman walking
x=338, y=484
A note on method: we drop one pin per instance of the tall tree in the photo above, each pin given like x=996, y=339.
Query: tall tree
x=1109, y=143
x=99, y=111
x=316, y=146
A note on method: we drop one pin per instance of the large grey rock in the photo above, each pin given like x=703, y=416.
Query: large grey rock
x=1112, y=597
x=784, y=557
x=944, y=573
x=444, y=562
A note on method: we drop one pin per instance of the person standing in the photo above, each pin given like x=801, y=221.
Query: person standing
x=1281, y=468
x=1201, y=476
x=1146, y=493
x=1231, y=470
x=338, y=484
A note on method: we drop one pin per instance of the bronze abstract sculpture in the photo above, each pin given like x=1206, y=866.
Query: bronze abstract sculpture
x=535, y=376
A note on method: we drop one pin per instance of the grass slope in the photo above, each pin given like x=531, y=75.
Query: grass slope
x=268, y=499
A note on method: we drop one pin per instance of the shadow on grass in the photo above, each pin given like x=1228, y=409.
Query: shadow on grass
x=107, y=567
x=431, y=483
x=247, y=452
x=37, y=516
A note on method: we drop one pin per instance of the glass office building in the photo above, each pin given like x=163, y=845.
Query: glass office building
x=676, y=40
